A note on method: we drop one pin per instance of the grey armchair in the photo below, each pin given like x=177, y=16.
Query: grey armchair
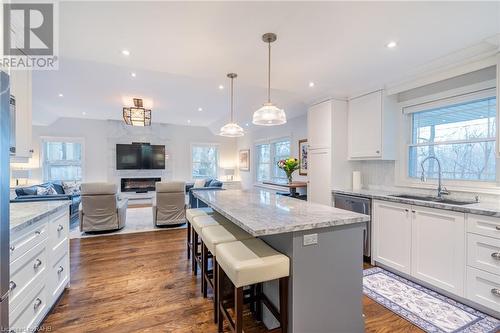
x=101, y=208
x=170, y=207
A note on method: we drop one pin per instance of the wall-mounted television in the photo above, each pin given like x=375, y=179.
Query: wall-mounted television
x=140, y=156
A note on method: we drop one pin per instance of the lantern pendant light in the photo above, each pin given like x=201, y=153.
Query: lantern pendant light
x=231, y=129
x=269, y=114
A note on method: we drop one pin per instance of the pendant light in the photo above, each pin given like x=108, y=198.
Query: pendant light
x=231, y=129
x=269, y=114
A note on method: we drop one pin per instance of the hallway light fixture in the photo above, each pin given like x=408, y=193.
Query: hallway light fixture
x=137, y=115
x=231, y=129
x=269, y=114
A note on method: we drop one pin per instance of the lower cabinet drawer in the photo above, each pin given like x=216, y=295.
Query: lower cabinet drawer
x=483, y=253
x=58, y=276
x=22, y=241
x=29, y=313
x=483, y=288
x=58, y=228
x=27, y=271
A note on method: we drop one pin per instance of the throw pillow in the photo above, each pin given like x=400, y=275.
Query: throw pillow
x=72, y=188
x=40, y=190
x=52, y=191
x=199, y=183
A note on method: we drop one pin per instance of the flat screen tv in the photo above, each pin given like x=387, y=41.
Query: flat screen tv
x=139, y=156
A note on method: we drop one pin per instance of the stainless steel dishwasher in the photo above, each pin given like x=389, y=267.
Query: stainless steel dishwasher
x=358, y=205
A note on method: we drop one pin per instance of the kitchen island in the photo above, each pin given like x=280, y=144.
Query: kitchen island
x=325, y=247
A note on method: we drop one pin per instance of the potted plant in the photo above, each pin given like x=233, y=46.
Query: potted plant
x=289, y=165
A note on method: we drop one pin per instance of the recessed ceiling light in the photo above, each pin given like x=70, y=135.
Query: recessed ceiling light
x=133, y=74
x=221, y=87
x=189, y=121
x=200, y=109
x=126, y=52
x=60, y=95
x=391, y=44
x=84, y=113
x=311, y=84
x=247, y=125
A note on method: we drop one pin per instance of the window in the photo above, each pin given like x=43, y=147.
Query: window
x=204, y=160
x=268, y=155
x=62, y=160
x=461, y=136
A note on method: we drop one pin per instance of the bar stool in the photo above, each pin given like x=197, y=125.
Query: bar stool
x=211, y=237
x=246, y=263
x=199, y=222
x=190, y=214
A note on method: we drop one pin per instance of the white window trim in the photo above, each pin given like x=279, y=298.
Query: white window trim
x=459, y=95
x=269, y=141
x=44, y=139
x=204, y=144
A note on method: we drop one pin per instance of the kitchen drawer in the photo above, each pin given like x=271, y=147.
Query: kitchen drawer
x=483, y=288
x=483, y=253
x=58, y=276
x=29, y=313
x=483, y=225
x=27, y=271
x=58, y=229
x=22, y=241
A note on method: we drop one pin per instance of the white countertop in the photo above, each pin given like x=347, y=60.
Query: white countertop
x=480, y=208
x=261, y=212
x=23, y=214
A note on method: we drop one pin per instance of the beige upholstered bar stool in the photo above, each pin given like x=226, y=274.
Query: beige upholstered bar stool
x=190, y=215
x=211, y=237
x=245, y=263
x=199, y=222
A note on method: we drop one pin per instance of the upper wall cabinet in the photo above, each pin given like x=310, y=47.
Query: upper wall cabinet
x=372, y=127
x=21, y=89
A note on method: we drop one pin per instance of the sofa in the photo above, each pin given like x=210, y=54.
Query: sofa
x=209, y=185
x=29, y=194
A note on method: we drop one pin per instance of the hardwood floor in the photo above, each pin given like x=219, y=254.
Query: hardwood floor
x=142, y=283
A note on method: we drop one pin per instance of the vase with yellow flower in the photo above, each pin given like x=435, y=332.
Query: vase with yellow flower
x=289, y=165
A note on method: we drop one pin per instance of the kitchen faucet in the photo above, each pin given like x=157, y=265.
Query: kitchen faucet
x=441, y=189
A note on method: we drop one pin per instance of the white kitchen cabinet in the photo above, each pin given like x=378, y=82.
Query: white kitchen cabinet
x=438, y=248
x=319, y=122
x=319, y=175
x=392, y=235
x=21, y=89
x=372, y=127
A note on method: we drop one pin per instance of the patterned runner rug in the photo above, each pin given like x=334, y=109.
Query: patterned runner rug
x=423, y=307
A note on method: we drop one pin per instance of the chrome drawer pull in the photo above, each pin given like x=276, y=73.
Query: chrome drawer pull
x=496, y=292
x=12, y=285
x=12, y=248
x=37, y=263
x=37, y=303
x=38, y=232
x=59, y=271
x=497, y=227
x=496, y=255
x=60, y=227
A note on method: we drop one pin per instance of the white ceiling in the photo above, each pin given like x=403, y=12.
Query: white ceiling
x=181, y=52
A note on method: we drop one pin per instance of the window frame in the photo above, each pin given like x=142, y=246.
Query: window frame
x=208, y=145
x=482, y=90
x=78, y=140
x=272, y=155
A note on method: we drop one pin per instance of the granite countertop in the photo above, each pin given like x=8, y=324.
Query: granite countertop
x=480, y=208
x=23, y=214
x=262, y=212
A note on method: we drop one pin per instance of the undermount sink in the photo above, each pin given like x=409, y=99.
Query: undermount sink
x=433, y=199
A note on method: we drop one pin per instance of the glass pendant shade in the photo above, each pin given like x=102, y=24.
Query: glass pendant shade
x=231, y=130
x=269, y=115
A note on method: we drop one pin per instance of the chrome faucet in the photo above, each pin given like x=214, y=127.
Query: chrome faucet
x=441, y=189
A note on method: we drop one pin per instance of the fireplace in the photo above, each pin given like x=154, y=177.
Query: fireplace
x=138, y=185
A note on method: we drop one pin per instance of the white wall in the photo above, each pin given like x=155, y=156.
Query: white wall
x=101, y=136
x=295, y=129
